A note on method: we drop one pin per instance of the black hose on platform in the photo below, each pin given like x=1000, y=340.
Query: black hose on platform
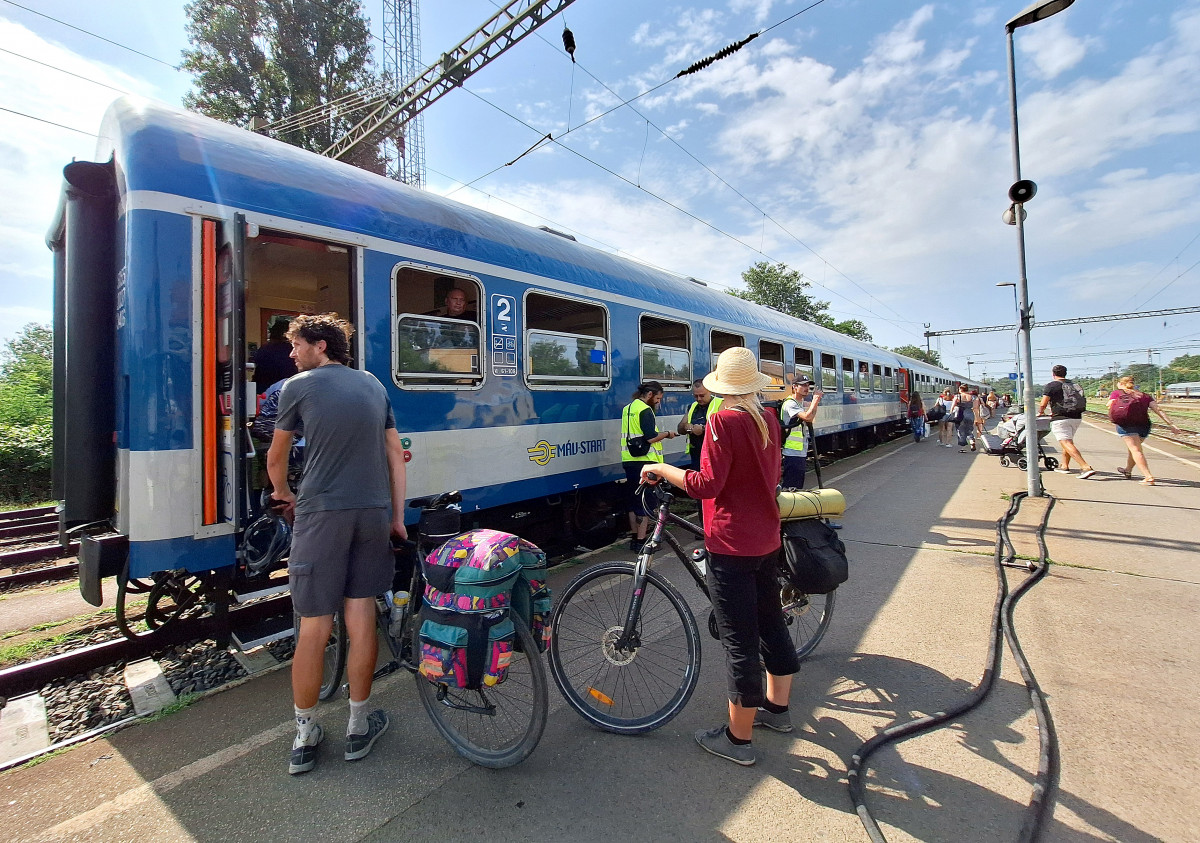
x=1002, y=617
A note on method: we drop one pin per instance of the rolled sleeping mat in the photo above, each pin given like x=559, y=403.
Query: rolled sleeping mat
x=814, y=503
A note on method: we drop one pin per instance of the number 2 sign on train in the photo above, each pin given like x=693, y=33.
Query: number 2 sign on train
x=174, y=249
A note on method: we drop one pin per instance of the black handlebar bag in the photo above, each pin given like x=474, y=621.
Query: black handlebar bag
x=814, y=558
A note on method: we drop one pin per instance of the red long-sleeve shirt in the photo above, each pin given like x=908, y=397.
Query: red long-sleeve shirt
x=737, y=481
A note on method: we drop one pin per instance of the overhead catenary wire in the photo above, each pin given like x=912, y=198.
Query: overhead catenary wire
x=767, y=216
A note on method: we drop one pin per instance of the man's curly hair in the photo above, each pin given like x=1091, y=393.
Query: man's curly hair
x=324, y=326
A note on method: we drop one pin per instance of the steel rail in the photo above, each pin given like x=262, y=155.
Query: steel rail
x=29, y=677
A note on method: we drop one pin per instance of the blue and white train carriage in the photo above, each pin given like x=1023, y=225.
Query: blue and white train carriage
x=174, y=250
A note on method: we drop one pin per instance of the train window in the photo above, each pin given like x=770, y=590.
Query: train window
x=877, y=378
x=566, y=342
x=666, y=352
x=770, y=363
x=849, y=378
x=437, y=339
x=829, y=373
x=889, y=383
x=803, y=364
x=864, y=376
x=722, y=341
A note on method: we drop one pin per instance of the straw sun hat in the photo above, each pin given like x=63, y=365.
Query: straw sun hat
x=736, y=373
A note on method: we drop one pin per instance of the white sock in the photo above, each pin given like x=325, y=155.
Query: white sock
x=358, y=717
x=306, y=721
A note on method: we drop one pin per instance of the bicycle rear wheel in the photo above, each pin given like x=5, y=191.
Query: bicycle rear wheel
x=497, y=726
x=807, y=616
x=335, y=655
x=633, y=690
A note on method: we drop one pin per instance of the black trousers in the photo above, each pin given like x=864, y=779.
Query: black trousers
x=745, y=599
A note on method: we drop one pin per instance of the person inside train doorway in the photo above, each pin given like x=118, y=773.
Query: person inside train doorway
x=273, y=359
x=795, y=412
x=694, y=419
x=640, y=444
x=350, y=499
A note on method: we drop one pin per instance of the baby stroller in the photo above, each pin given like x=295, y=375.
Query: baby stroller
x=1011, y=448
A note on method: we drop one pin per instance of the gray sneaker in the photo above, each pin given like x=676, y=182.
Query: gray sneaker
x=781, y=722
x=715, y=741
x=304, y=756
x=357, y=746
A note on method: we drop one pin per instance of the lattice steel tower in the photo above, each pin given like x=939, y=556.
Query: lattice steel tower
x=404, y=148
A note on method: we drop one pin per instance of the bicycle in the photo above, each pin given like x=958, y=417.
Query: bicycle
x=624, y=644
x=496, y=726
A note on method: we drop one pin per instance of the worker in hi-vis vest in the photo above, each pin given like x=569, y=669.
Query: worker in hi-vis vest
x=640, y=444
x=795, y=445
x=693, y=421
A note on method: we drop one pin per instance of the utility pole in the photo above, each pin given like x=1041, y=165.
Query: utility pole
x=927, y=326
x=513, y=22
x=404, y=146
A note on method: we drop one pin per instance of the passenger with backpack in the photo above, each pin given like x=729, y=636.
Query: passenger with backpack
x=1067, y=403
x=1129, y=409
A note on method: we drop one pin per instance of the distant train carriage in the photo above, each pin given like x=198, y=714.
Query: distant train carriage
x=177, y=247
x=1183, y=390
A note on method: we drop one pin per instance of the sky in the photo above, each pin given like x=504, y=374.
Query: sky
x=865, y=143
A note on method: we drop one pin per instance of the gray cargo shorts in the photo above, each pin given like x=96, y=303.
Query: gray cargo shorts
x=336, y=554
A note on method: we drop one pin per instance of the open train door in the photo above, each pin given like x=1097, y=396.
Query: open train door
x=223, y=434
x=904, y=376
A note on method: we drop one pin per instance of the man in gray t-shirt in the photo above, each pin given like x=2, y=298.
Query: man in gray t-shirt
x=351, y=497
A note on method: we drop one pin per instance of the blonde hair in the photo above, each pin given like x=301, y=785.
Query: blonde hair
x=750, y=403
x=1126, y=381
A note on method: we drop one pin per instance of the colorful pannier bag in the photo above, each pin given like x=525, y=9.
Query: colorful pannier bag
x=467, y=634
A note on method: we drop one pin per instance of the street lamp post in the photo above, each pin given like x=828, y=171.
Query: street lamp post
x=1020, y=192
x=1017, y=347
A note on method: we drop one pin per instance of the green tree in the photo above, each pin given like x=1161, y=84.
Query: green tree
x=1184, y=369
x=26, y=409
x=933, y=358
x=783, y=289
x=274, y=58
x=26, y=364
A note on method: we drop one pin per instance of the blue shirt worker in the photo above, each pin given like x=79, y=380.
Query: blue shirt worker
x=350, y=498
x=795, y=445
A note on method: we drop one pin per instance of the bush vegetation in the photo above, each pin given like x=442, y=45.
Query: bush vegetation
x=26, y=435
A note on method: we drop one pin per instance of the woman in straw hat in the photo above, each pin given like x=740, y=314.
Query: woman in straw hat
x=737, y=482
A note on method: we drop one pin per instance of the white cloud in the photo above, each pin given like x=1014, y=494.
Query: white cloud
x=1052, y=49
x=1155, y=95
x=34, y=152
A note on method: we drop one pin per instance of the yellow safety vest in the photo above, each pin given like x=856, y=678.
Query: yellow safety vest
x=714, y=404
x=631, y=427
x=795, y=436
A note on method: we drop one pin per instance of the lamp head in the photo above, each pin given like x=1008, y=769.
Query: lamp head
x=1036, y=12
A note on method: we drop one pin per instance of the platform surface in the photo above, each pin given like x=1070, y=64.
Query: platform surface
x=1111, y=634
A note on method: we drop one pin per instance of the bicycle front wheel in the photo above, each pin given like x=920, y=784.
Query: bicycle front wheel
x=335, y=655
x=497, y=726
x=807, y=616
x=633, y=689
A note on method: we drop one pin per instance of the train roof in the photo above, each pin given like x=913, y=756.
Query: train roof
x=160, y=149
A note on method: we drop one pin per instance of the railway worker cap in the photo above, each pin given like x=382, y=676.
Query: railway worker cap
x=736, y=373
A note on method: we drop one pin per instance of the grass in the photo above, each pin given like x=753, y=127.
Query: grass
x=17, y=653
x=7, y=506
x=167, y=710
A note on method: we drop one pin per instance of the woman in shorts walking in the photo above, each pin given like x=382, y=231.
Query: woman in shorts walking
x=1129, y=409
x=737, y=482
